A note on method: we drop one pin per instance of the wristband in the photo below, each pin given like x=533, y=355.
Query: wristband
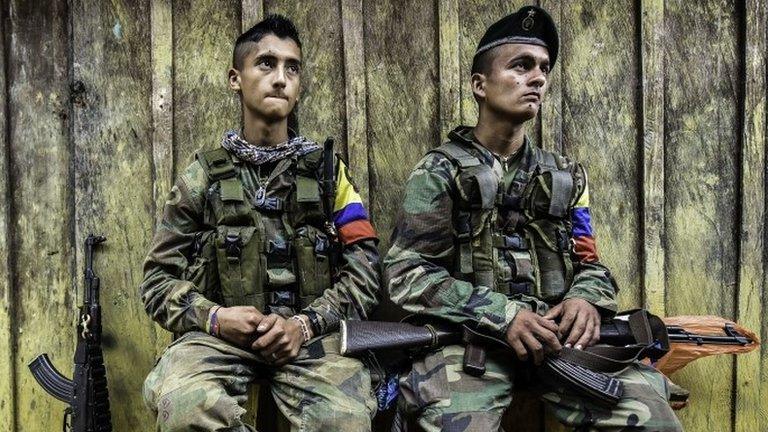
x=213, y=322
x=303, y=326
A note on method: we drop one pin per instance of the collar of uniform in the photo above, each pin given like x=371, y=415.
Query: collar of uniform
x=466, y=136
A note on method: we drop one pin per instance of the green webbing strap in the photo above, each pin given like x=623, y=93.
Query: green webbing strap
x=562, y=189
x=488, y=183
x=217, y=164
x=457, y=154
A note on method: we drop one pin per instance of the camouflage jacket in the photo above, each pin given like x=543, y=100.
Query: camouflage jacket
x=179, y=306
x=417, y=267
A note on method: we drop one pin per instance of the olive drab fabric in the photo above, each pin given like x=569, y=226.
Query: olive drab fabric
x=481, y=237
x=255, y=266
x=494, y=238
x=235, y=233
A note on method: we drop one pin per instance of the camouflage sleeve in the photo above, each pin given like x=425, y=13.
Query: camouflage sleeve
x=416, y=266
x=176, y=304
x=592, y=281
x=356, y=293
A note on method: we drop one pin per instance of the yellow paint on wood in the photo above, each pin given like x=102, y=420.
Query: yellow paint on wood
x=701, y=159
x=751, y=384
x=450, y=72
x=402, y=99
x=113, y=187
x=600, y=128
x=39, y=172
x=321, y=109
x=652, y=54
x=252, y=11
x=551, y=116
x=355, y=96
x=7, y=362
x=204, y=107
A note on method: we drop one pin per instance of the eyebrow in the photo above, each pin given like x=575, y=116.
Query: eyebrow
x=272, y=56
x=529, y=56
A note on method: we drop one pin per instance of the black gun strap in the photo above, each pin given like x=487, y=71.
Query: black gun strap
x=650, y=336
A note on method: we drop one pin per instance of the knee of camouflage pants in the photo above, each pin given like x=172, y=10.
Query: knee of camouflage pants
x=444, y=398
x=323, y=391
x=644, y=406
x=197, y=386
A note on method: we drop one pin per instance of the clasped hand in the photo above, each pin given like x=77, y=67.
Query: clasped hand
x=276, y=339
x=530, y=333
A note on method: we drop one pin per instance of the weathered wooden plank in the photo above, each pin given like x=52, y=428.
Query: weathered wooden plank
x=113, y=183
x=252, y=11
x=402, y=99
x=39, y=170
x=203, y=106
x=551, y=115
x=599, y=128
x=7, y=343
x=751, y=391
x=355, y=96
x=162, y=120
x=321, y=108
x=652, y=52
x=450, y=71
x=701, y=157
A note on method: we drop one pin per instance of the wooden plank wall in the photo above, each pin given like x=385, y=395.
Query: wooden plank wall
x=104, y=103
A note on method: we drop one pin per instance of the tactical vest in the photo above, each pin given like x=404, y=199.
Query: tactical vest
x=268, y=247
x=516, y=241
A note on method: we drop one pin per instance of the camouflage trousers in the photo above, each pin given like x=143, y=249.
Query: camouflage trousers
x=443, y=398
x=201, y=384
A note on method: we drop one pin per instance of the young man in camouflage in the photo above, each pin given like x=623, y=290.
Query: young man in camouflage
x=495, y=233
x=239, y=266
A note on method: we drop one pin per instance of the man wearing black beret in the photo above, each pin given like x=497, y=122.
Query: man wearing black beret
x=495, y=233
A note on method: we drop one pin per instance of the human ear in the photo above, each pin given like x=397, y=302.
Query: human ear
x=478, y=85
x=234, y=79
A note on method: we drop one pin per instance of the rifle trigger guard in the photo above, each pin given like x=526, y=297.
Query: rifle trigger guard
x=85, y=322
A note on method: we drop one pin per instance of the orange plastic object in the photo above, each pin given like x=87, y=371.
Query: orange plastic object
x=680, y=354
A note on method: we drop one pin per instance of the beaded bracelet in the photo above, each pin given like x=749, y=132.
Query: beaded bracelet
x=303, y=326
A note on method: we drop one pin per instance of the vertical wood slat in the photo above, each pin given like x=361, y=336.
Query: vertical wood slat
x=402, y=99
x=356, y=101
x=701, y=188
x=39, y=168
x=113, y=185
x=599, y=120
x=204, y=32
x=551, y=115
x=652, y=70
x=252, y=12
x=448, y=66
x=750, y=392
x=7, y=361
x=161, y=34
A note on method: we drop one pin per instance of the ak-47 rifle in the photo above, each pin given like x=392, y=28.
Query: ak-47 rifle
x=631, y=336
x=86, y=393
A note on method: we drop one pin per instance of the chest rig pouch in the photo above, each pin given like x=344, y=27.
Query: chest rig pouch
x=247, y=263
x=518, y=240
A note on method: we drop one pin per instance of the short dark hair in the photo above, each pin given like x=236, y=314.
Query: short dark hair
x=275, y=24
x=482, y=63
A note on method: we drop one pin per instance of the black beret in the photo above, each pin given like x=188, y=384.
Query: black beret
x=529, y=25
